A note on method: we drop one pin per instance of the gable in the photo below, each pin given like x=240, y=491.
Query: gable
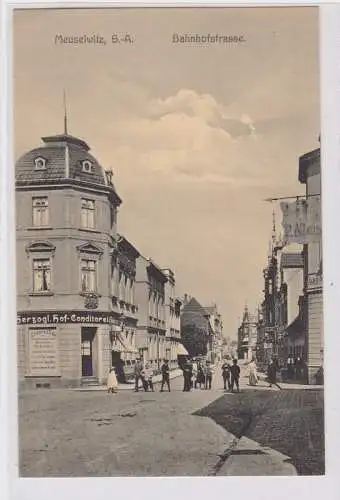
x=90, y=248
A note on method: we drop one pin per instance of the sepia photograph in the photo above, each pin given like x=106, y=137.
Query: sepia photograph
x=168, y=241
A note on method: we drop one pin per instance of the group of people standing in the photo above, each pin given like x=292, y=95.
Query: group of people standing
x=197, y=373
x=231, y=376
x=295, y=368
x=145, y=373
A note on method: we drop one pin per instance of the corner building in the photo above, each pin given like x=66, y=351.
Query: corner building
x=310, y=175
x=66, y=214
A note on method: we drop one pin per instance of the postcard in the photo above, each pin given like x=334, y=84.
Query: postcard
x=169, y=265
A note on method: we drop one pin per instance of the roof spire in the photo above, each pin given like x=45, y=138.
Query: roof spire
x=274, y=230
x=65, y=114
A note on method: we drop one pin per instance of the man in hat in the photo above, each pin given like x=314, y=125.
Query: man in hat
x=235, y=376
x=138, y=373
x=165, y=375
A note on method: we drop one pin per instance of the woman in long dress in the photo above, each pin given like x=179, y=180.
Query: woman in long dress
x=253, y=378
x=112, y=382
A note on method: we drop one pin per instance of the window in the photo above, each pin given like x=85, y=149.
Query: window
x=87, y=213
x=88, y=275
x=86, y=348
x=40, y=163
x=40, y=211
x=87, y=167
x=41, y=275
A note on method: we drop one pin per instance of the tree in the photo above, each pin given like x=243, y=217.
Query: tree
x=194, y=339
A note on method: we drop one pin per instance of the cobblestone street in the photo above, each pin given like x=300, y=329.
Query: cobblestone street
x=65, y=433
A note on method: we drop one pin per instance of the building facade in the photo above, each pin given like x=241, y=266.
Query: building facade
x=292, y=342
x=66, y=217
x=150, y=295
x=172, y=319
x=196, y=331
x=122, y=281
x=216, y=324
x=310, y=175
x=247, y=336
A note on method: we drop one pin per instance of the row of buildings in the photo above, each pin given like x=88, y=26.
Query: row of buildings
x=86, y=296
x=288, y=324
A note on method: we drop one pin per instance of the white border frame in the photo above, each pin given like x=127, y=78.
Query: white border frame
x=257, y=488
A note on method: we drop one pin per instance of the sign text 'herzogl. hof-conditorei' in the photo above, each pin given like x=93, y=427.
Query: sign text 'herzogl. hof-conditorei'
x=65, y=317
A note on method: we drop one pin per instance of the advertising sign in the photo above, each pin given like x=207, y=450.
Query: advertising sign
x=301, y=221
x=43, y=353
x=65, y=317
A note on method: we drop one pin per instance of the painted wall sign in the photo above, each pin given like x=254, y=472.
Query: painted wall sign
x=43, y=353
x=65, y=317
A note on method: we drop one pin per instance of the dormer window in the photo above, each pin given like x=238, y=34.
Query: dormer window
x=40, y=163
x=87, y=167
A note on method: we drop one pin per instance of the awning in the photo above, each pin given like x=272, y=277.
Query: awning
x=181, y=350
x=120, y=346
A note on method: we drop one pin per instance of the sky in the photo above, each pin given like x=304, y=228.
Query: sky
x=198, y=136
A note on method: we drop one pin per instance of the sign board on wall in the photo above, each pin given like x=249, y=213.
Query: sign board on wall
x=65, y=317
x=43, y=353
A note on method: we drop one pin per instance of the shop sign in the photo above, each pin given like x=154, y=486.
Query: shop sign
x=302, y=221
x=43, y=353
x=314, y=281
x=65, y=317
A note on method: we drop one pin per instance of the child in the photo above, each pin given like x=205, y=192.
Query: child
x=112, y=383
x=148, y=374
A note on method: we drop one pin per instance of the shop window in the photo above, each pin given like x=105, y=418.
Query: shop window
x=41, y=275
x=40, y=214
x=87, y=213
x=88, y=276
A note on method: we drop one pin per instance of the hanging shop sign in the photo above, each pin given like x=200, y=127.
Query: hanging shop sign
x=301, y=221
x=65, y=317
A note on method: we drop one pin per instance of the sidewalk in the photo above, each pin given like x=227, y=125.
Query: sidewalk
x=129, y=386
x=277, y=432
x=249, y=458
x=290, y=385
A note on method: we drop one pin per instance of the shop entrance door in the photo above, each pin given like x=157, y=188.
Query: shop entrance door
x=87, y=337
x=118, y=364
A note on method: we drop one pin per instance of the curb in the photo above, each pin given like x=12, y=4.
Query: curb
x=130, y=386
x=249, y=458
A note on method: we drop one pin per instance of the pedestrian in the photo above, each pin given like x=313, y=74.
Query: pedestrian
x=226, y=375
x=194, y=373
x=298, y=368
x=271, y=373
x=209, y=375
x=200, y=375
x=204, y=377
x=187, y=374
x=138, y=373
x=112, y=382
x=165, y=370
x=253, y=378
x=148, y=374
x=235, y=376
x=290, y=368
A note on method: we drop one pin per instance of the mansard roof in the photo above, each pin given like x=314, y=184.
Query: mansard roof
x=62, y=157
